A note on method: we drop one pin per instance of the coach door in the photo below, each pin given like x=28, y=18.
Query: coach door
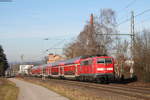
x=90, y=66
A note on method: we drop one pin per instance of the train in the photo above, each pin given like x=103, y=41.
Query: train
x=98, y=68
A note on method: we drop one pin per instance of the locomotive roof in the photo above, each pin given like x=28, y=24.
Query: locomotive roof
x=43, y=66
x=55, y=63
x=73, y=60
x=90, y=56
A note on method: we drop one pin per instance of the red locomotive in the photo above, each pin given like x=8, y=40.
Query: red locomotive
x=93, y=68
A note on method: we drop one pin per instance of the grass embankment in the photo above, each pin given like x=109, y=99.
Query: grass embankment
x=71, y=93
x=8, y=90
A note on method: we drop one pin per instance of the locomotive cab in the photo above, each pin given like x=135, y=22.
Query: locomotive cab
x=104, y=69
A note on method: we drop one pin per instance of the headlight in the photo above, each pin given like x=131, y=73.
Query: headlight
x=109, y=68
x=101, y=69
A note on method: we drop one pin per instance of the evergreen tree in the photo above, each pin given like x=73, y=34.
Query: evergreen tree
x=3, y=61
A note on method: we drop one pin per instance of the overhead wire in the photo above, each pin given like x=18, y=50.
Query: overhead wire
x=128, y=5
x=57, y=44
x=128, y=19
x=141, y=24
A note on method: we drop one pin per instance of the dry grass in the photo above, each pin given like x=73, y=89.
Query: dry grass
x=8, y=90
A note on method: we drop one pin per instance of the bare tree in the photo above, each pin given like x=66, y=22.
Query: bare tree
x=91, y=40
x=141, y=53
x=122, y=67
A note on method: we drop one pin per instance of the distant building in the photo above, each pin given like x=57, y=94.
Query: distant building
x=54, y=57
x=24, y=69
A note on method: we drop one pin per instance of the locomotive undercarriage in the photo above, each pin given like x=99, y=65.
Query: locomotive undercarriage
x=99, y=78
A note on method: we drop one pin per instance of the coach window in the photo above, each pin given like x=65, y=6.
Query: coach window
x=86, y=62
x=82, y=63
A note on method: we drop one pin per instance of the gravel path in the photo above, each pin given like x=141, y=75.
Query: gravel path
x=29, y=91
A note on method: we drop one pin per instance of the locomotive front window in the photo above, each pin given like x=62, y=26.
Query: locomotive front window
x=104, y=60
x=108, y=60
x=101, y=60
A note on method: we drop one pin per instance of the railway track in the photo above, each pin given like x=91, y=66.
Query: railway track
x=135, y=87
x=134, y=92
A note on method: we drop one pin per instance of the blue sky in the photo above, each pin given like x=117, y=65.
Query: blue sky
x=25, y=23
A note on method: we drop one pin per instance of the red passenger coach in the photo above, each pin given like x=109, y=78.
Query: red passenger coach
x=65, y=69
x=35, y=71
x=71, y=67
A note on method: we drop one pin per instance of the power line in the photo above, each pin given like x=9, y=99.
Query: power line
x=126, y=20
x=58, y=44
x=147, y=10
x=143, y=21
x=41, y=55
x=131, y=3
x=58, y=37
x=34, y=57
x=128, y=5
